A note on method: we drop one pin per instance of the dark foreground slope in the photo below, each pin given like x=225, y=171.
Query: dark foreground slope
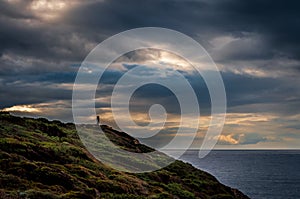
x=43, y=159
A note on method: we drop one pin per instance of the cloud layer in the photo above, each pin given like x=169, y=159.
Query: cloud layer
x=254, y=43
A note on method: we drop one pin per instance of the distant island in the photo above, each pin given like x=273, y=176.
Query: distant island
x=46, y=159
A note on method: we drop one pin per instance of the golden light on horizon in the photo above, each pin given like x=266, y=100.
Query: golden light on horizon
x=22, y=108
x=228, y=139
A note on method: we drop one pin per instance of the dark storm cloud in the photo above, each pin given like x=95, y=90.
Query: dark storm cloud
x=241, y=89
x=15, y=11
x=36, y=50
x=24, y=34
x=24, y=94
x=276, y=22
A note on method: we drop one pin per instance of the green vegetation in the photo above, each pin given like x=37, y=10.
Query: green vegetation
x=45, y=159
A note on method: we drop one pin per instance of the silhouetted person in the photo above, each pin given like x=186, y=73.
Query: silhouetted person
x=98, y=120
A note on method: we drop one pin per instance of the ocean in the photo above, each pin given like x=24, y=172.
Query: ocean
x=270, y=174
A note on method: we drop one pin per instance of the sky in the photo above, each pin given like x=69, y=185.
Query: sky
x=255, y=44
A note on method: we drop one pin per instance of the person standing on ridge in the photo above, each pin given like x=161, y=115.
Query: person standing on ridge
x=98, y=120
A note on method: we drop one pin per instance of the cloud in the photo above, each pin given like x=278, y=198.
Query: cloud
x=251, y=138
x=52, y=110
x=20, y=93
x=241, y=139
x=22, y=109
x=227, y=139
x=254, y=34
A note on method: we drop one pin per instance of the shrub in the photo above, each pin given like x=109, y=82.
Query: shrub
x=178, y=190
x=35, y=194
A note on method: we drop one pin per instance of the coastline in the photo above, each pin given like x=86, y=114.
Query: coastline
x=38, y=155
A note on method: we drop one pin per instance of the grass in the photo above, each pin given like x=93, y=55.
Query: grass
x=46, y=159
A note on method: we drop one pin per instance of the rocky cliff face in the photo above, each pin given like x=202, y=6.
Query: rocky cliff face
x=45, y=159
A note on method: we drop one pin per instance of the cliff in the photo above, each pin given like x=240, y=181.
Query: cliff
x=46, y=159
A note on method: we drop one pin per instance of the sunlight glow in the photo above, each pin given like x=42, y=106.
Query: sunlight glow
x=228, y=139
x=48, y=10
x=22, y=108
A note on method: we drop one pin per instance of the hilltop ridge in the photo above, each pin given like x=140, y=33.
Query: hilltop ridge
x=46, y=159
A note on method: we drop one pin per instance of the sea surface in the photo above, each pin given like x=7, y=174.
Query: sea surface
x=271, y=174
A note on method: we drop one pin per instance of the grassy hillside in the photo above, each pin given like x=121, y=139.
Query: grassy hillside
x=45, y=159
